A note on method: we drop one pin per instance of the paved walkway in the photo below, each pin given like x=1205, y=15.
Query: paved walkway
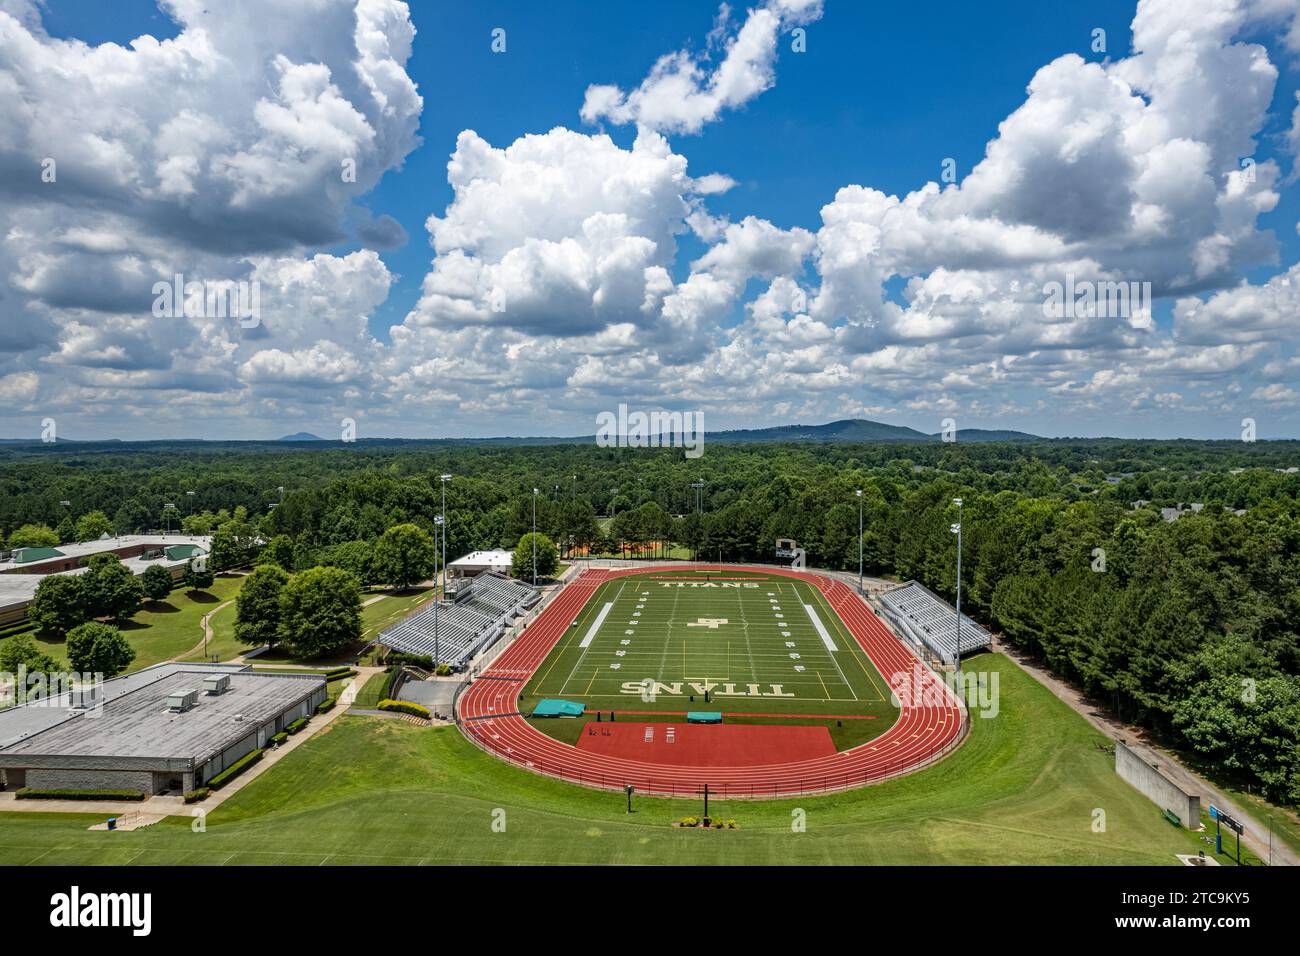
x=207, y=631
x=1256, y=836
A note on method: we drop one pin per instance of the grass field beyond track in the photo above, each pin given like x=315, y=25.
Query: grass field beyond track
x=1025, y=787
x=658, y=644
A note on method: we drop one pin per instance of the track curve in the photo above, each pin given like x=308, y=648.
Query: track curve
x=929, y=724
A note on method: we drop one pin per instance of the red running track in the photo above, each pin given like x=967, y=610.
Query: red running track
x=928, y=726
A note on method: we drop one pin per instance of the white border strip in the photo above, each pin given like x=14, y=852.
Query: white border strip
x=821, y=628
x=595, y=626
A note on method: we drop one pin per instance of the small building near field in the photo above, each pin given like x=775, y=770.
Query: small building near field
x=167, y=728
x=476, y=562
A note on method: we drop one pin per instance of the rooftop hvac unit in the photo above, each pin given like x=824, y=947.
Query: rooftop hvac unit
x=182, y=700
x=215, y=684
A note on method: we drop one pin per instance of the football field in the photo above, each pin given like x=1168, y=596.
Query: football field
x=745, y=644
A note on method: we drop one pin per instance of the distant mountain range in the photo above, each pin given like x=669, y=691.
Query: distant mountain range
x=859, y=430
x=848, y=430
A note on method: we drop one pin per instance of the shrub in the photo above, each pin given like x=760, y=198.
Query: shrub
x=419, y=660
x=339, y=673
x=235, y=769
x=279, y=738
x=404, y=707
x=296, y=726
x=196, y=796
x=443, y=670
x=326, y=705
x=32, y=793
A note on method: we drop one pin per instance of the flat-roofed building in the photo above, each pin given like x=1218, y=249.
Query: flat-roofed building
x=476, y=562
x=170, y=727
x=22, y=570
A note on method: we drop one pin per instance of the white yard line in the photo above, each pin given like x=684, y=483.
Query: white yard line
x=821, y=628
x=595, y=625
x=586, y=647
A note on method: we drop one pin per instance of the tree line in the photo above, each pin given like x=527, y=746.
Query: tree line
x=1186, y=627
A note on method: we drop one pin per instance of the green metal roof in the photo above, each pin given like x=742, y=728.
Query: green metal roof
x=27, y=555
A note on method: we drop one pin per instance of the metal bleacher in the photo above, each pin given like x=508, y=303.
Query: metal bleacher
x=479, y=616
x=929, y=621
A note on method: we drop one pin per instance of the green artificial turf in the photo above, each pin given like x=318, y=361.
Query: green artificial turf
x=738, y=643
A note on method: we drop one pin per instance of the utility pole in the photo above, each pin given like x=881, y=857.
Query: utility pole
x=956, y=529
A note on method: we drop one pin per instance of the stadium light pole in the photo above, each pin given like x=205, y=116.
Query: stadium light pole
x=438, y=523
x=859, y=494
x=699, y=487
x=956, y=529
x=534, y=537
x=443, y=479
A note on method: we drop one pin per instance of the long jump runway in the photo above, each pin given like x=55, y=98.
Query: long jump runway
x=929, y=721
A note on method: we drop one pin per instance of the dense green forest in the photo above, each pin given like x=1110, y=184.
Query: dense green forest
x=1187, y=626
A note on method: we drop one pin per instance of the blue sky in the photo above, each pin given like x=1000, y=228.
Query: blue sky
x=882, y=96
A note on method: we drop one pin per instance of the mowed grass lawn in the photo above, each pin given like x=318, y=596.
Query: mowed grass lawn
x=165, y=629
x=1023, y=789
x=389, y=609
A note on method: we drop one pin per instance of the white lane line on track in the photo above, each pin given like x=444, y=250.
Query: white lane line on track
x=843, y=769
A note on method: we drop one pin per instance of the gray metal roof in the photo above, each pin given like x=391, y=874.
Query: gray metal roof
x=134, y=720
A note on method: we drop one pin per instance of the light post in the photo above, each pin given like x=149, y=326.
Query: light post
x=611, y=520
x=443, y=479
x=699, y=526
x=534, y=537
x=437, y=599
x=168, y=507
x=956, y=529
x=859, y=494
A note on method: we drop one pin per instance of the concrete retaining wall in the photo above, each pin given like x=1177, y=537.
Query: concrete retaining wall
x=1148, y=780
